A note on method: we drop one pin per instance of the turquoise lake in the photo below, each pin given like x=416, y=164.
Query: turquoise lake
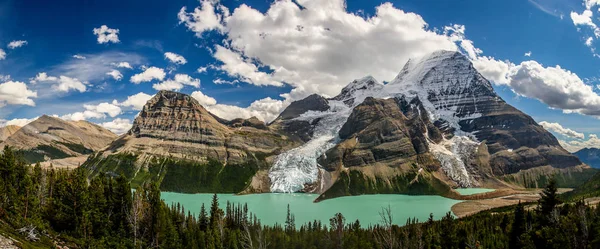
x=272, y=208
x=472, y=191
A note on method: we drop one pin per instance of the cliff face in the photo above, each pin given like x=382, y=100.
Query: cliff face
x=175, y=124
x=53, y=138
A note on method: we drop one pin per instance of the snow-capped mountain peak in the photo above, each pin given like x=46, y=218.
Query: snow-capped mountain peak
x=358, y=90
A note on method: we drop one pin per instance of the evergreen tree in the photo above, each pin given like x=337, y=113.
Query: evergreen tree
x=290, y=221
x=518, y=227
x=215, y=212
x=203, y=219
x=337, y=223
x=549, y=200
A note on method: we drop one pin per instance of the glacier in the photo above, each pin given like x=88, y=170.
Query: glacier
x=297, y=167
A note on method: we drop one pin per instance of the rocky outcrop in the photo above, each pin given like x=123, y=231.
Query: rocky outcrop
x=290, y=123
x=173, y=124
x=251, y=122
x=53, y=138
x=7, y=131
x=313, y=102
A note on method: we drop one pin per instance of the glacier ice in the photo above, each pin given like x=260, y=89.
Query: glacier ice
x=297, y=167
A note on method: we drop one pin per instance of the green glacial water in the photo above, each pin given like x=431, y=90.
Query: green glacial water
x=472, y=191
x=271, y=208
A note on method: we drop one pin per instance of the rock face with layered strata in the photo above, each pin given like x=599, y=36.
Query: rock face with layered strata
x=175, y=124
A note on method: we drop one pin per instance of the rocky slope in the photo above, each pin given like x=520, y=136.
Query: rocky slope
x=7, y=131
x=590, y=156
x=53, y=138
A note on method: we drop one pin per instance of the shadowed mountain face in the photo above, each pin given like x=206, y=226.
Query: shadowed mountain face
x=54, y=138
x=590, y=156
x=437, y=125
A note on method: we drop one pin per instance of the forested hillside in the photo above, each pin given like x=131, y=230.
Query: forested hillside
x=54, y=208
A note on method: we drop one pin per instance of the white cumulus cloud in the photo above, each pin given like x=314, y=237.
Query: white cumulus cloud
x=317, y=47
x=203, y=99
x=175, y=58
x=2, y=54
x=118, y=126
x=78, y=56
x=61, y=83
x=576, y=145
x=151, y=73
x=16, y=93
x=136, y=101
x=266, y=109
x=17, y=121
x=123, y=64
x=16, y=44
x=115, y=74
x=106, y=34
x=558, y=128
x=177, y=83
x=98, y=111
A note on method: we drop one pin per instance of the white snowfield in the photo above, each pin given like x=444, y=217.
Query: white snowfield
x=443, y=81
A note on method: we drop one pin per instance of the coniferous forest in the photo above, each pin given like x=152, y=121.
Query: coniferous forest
x=47, y=208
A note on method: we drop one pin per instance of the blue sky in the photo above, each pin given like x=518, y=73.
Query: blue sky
x=252, y=58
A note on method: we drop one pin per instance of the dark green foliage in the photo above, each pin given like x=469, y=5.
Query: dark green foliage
x=37, y=154
x=117, y=164
x=103, y=212
x=212, y=177
x=590, y=188
x=176, y=175
x=79, y=148
x=568, y=179
x=355, y=182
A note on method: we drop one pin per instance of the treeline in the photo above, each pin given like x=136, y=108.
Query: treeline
x=49, y=208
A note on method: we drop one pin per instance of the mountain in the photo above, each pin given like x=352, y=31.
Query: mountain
x=53, y=138
x=590, y=156
x=438, y=125
x=178, y=142
x=7, y=131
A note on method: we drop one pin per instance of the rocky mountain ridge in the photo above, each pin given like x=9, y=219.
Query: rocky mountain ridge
x=53, y=138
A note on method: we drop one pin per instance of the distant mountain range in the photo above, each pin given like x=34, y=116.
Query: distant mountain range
x=437, y=126
x=590, y=156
